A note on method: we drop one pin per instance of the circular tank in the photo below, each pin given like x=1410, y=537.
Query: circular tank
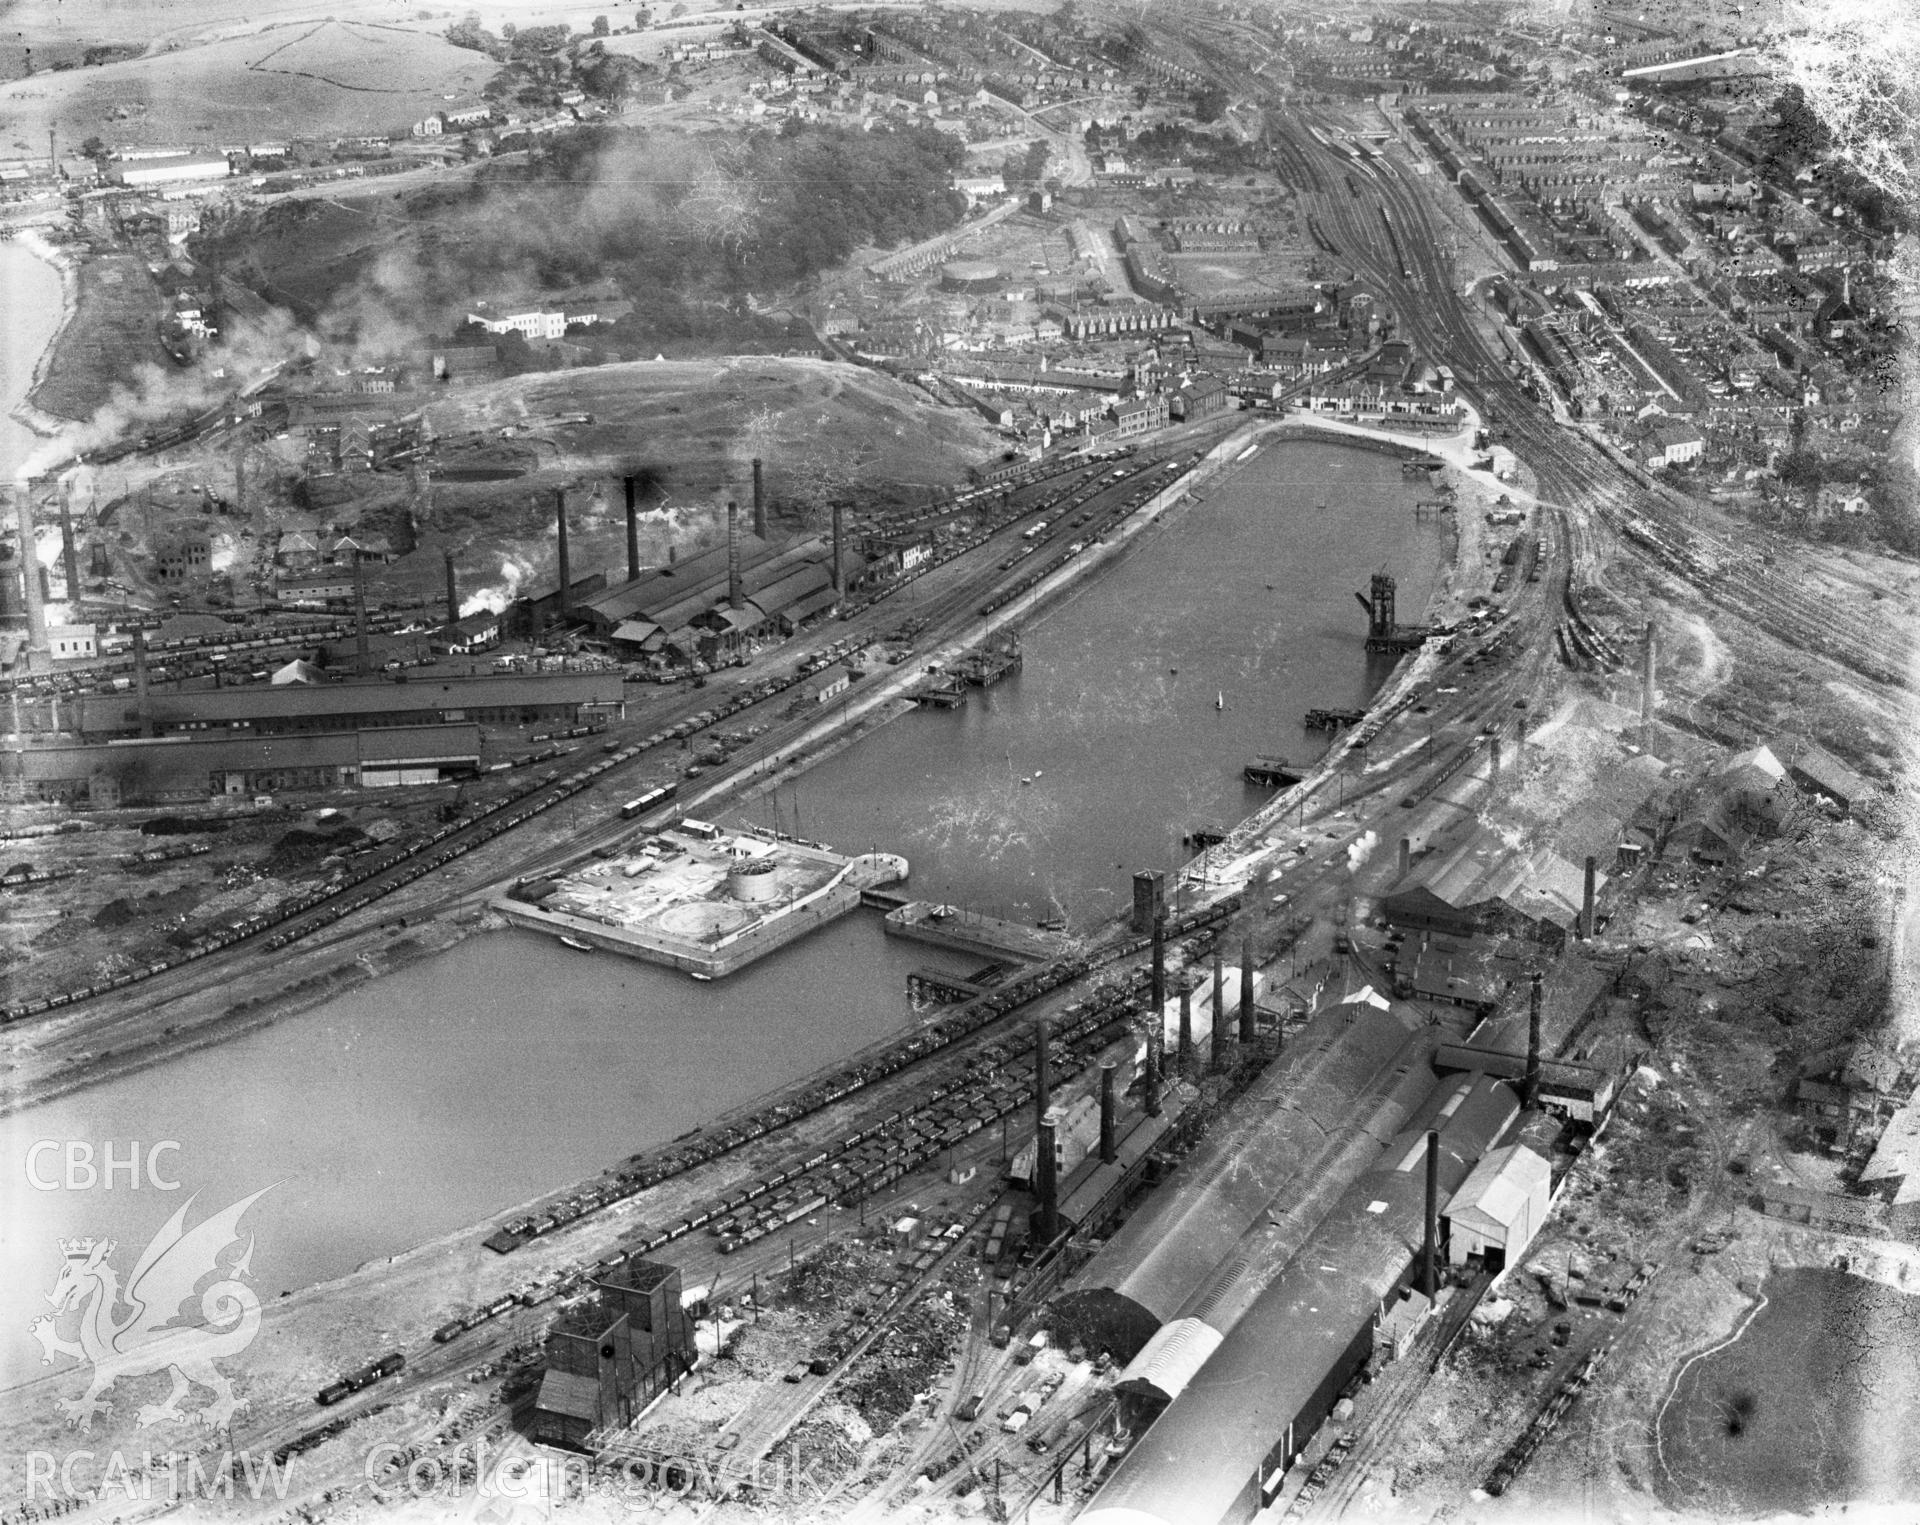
x=754, y=883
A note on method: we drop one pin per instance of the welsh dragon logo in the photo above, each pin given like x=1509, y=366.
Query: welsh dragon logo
x=158, y=1331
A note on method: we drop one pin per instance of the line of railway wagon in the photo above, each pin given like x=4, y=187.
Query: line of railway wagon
x=997, y=1083
x=1111, y=520
x=328, y=903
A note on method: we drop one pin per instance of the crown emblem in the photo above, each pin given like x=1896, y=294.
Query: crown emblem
x=78, y=1249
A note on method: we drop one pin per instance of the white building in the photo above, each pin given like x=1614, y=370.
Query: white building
x=1499, y=1207
x=71, y=641
x=186, y=170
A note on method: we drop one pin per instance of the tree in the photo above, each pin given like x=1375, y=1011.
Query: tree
x=1801, y=134
x=93, y=148
x=600, y=26
x=1209, y=103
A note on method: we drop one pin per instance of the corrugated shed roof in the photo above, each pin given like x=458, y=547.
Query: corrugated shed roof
x=569, y=1393
x=1496, y=1192
x=227, y=705
x=1196, y=1460
x=1167, y=1362
x=1168, y=1248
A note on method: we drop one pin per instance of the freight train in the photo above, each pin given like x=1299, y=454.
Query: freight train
x=388, y=1365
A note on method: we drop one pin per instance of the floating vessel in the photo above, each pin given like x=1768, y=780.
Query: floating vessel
x=574, y=942
x=1220, y=700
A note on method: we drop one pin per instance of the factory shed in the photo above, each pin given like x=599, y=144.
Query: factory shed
x=1166, y=1364
x=515, y=699
x=198, y=767
x=1485, y=881
x=1499, y=1208
x=1817, y=771
x=299, y=671
x=1178, y=1238
x=1583, y=1091
x=1222, y=1448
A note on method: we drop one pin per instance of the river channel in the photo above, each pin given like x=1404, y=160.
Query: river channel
x=509, y=1065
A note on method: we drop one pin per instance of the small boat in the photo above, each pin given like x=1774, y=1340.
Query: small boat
x=1175, y=671
x=705, y=979
x=1026, y=780
x=1220, y=700
x=574, y=942
x=1039, y=773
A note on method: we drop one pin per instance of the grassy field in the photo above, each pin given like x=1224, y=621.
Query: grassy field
x=312, y=78
x=110, y=335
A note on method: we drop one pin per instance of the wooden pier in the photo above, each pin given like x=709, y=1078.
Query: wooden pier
x=1273, y=771
x=942, y=693
x=1396, y=641
x=1333, y=720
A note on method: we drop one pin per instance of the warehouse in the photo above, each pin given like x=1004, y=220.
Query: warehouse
x=1150, y=1269
x=185, y=169
x=685, y=607
x=529, y=699
x=1499, y=1208
x=1221, y=1449
x=185, y=767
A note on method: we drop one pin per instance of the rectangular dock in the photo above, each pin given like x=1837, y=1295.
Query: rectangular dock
x=700, y=899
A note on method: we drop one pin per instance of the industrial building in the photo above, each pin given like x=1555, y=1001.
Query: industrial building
x=183, y=169
x=1238, y=1414
x=1167, y=1250
x=1499, y=1208
x=188, y=767
x=609, y=1359
x=714, y=602
x=266, y=710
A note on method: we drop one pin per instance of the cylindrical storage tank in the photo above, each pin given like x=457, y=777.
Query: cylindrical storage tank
x=755, y=883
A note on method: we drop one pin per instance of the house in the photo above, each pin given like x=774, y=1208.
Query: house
x=1668, y=442
x=1140, y=415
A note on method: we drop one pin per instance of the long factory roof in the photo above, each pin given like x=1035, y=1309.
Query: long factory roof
x=1164, y=1252
x=231, y=706
x=1196, y=1460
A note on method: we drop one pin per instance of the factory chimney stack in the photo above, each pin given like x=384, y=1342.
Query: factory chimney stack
x=1186, y=1024
x=1219, y=1011
x=1530, y=1087
x=1586, y=896
x=359, y=614
x=240, y=478
x=140, y=681
x=1406, y=856
x=69, y=552
x=1042, y=1069
x=1493, y=763
x=1109, y=1129
x=1649, y=667
x=1246, y=991
x=839, y=537
x=566, y=571
x=1159, y=966
x=453, y=590
x=633, y=531
x=1150, y=1087
x=759, y=500
x=1430, y=1245
x=1045, y=1182
x=39, y=656
x=736, y=594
